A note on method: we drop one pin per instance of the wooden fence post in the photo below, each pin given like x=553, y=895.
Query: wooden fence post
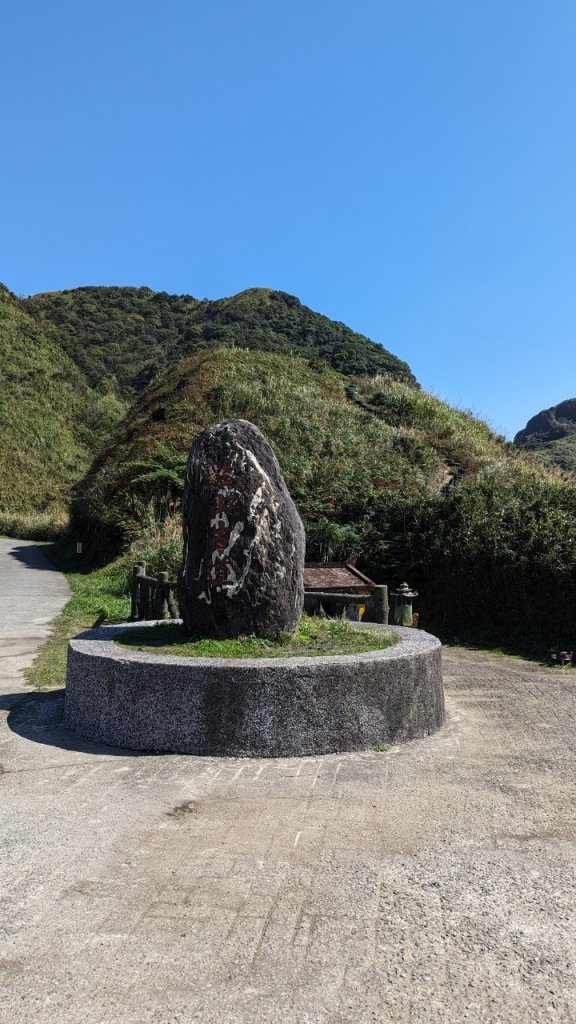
x=377, y=608
x=149, y=600
x=173, y=604
x=161, y=610
x=381, y=606
x=136, y=592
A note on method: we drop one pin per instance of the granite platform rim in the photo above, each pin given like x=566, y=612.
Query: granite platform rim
x=99, y=642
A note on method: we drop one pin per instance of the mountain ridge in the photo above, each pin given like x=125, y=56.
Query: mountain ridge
x=123, y=338
x=74, y=360
x=550, y=436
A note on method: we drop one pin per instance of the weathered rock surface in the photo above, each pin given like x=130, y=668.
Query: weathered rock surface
x=550, y=424
x=244, y=542
x=551, y=435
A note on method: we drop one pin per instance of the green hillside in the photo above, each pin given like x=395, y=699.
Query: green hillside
x=378, y=468
x=550, y=436
x=51, y=421
x=122, y=338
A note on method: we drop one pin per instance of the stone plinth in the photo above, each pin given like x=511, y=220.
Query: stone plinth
x=268, y=707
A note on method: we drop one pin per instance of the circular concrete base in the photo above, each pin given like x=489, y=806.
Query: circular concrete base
x=267, y=707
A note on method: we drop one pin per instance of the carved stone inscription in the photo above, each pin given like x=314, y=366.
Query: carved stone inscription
x=221, y=572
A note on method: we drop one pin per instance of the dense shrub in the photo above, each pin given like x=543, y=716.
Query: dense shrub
x=496, y=559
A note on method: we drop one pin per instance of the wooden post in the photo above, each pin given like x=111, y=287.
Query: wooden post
x=377, y=608
x=148, y=602
x=144, y=600
x=172, y=603
x=161, y=610
x=382, y=607
x=136, y=592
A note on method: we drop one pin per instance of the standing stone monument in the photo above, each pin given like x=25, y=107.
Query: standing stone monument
x=244, y=542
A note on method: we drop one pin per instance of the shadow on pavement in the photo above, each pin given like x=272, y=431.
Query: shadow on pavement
x=31, y=556
x=8, y=700
x=39, y=717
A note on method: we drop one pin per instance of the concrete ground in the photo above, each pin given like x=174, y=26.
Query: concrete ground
x=432, y=883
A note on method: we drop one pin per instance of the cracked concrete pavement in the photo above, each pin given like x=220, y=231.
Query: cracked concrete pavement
x=431, y=883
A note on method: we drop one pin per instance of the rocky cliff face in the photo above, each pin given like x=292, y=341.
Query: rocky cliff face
x=551, y=435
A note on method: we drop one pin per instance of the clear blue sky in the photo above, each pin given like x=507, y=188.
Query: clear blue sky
x=406, y=166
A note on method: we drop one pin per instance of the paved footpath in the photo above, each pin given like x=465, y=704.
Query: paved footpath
x=433, y=883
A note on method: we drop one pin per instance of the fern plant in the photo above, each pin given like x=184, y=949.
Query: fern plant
x=165, y=469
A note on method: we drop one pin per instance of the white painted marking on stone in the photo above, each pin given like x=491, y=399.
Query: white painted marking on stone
x=196, y=578
x=252, y=458
x=220, y=517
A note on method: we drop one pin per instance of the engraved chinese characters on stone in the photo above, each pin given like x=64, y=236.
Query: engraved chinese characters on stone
x=221, y=571
x=221, y=475
x=243, y=559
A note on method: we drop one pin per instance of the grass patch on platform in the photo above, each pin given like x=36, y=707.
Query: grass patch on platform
x=314, y=638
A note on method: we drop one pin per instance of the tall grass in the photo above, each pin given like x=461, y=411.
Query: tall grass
x=160, y=546
x=34, y=525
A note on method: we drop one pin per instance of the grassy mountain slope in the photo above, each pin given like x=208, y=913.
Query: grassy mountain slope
x=51, y=421
x=122, y=338
x=380, y=469
x=550, y=436
x=377, y=467
x=336, y=456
